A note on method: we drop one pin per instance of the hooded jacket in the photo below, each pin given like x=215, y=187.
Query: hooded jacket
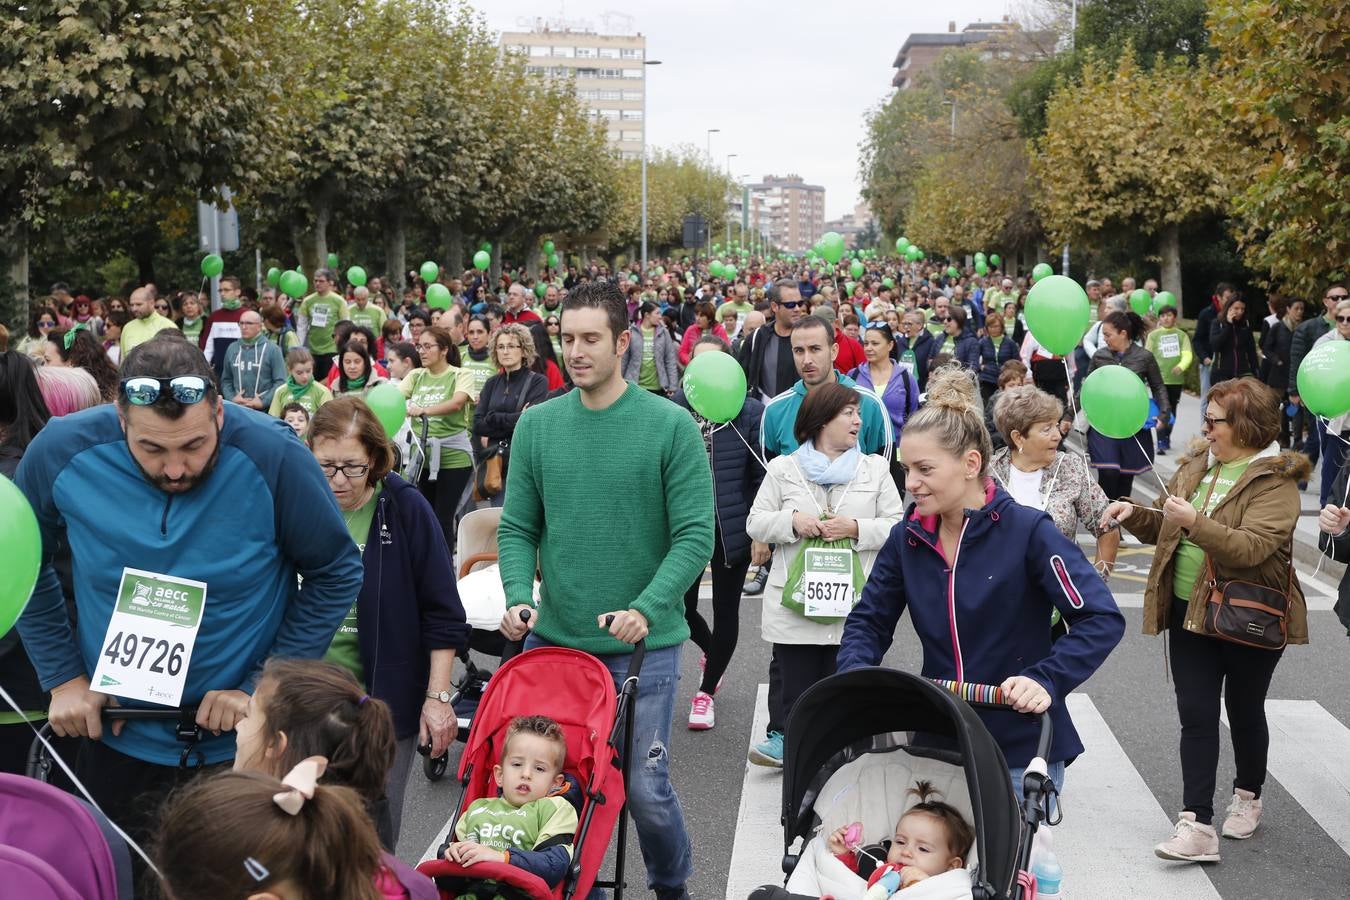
x=987, y=616
x=1246, y=536
x=900, y=396
x=664, y=354
x=408, y=604
x=780, y=415
x=253, y=370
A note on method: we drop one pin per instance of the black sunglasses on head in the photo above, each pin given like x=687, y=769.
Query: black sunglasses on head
x=144, y=390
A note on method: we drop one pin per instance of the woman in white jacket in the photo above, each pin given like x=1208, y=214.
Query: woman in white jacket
x=829, y=490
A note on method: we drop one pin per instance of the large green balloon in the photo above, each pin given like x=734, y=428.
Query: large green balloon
x=856, y=269
x=981, y=267
x=1324, y=379
x=993, y=258
x=1041, y=270
x=387, y=403
x=438, y=296
x=294, y=284
x=553, y=260
x=1058, y=314
x=953, y=272
x=832, y=246
x=715, y=268
x=481, y=260
x=1164, y=298
x=729, y=272
x=888, y=282
x=274, y=276
x=486, y=247
x=22, y=543
x=714, y=385
x=429, y=271
x=356, y=275
x=212, y=265
x=901, y=244
x=1140, y=301
x=540, y=290
x=1115, y=401
x=848, y=288
x=332, y=260
x=548, y=247
x=981, y=257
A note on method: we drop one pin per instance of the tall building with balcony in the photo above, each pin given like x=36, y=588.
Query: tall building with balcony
x=606, y=71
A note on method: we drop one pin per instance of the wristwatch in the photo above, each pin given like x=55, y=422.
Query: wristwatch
x=443, y=696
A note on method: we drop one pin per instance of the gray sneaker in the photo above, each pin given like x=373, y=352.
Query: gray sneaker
x=756, y=585
x=1244, y=814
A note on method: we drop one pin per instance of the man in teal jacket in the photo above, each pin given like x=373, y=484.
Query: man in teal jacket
x=813, y=351
x=180, y=511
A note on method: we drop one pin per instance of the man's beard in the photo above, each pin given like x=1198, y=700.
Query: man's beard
x=187, y=482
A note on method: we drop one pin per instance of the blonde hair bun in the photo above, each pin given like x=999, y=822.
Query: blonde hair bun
x=952, y=388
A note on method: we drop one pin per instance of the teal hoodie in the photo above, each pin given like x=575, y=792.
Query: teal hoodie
x=780, y=414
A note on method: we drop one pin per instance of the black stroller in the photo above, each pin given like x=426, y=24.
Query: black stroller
x=857, y=741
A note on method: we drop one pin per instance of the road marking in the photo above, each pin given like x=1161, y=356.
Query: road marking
x=758, y=843
x=1107, y=839
x=1310, y=758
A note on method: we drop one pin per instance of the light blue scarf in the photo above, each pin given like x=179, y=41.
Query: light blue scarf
x=820, y=469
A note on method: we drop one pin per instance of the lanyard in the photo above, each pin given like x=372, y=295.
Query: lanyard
x=829, y=507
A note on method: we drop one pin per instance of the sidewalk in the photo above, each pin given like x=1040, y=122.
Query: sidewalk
x=1306, y=554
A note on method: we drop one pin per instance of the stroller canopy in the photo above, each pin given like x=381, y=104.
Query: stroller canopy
x=855, y=707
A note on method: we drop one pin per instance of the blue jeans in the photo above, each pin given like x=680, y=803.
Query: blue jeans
x=652, y=802
x=1333, y=457
x=1204, y=388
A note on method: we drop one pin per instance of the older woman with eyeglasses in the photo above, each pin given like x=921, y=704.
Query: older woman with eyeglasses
x=401, y=635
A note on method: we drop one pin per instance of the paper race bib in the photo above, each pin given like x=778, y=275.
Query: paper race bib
x=148, y=646
x=910, y=361
x=827, y=581
x=319, y=316
x=1169, y=345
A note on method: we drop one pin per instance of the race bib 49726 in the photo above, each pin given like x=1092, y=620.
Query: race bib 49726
x=148, y=646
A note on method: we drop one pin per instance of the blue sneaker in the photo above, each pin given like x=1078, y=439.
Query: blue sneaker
x=770, y=752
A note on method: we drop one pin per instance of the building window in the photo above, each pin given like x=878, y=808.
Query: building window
x=538, y=51
x=609, y=113
x=629, y=73
x=609, y=52
x=631, y=136
x=585, y=53
x=586, y=73
x=630, y=53
x=632, y=96
x=609, y=95
x=632, y=115
x=564, y=51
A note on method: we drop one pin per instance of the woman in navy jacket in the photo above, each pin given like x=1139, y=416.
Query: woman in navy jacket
x=1230, y=337
x=963, y=346
x=995, y=350
x=408, y=622
x=1002, y=568
x=737, y=473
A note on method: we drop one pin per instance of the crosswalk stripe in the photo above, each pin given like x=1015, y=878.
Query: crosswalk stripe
x=758, y=844
x=1310, y=758
x=1107, y=837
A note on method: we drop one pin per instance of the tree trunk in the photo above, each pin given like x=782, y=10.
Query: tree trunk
x=452, y=245
x=1170, y=250
x=533, y=251
x=16, y=308
x=395, y=250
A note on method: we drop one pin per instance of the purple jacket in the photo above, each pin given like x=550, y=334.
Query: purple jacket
x=900, y=396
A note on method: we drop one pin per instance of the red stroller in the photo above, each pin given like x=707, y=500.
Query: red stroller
x=577, y=691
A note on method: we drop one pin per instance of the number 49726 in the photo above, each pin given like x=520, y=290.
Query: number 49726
x=131, y=650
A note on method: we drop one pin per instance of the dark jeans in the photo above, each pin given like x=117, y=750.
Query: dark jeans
x=444, y=495
x=1333, y=457
x=793, y=669
x=1173, y=399
x=1115, y=483
x=718, y=643
x=1203, y=668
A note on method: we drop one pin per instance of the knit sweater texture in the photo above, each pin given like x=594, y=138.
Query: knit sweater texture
x=622, y=520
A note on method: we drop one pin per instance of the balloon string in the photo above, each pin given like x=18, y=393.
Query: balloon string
x=1073, y=409
x=56, y=757
x=759, y=459
x=1151, y=467
x=1345, y=501
x=1326, y=423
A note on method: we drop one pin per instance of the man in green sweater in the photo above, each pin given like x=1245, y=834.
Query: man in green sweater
x=647, y=453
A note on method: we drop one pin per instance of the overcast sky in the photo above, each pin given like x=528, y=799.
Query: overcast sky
x=787, y=86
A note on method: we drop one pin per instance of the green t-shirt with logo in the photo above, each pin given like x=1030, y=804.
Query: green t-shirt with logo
x=494, y=822
x=425, y=389
x=192, y=328
x=1171, y=347
x=371, y=317
x=480, y=369
x=949, y=346
x=323, y=312
x=1190, y=558
x=345, y=650
x=647, y=377
x=311, y=398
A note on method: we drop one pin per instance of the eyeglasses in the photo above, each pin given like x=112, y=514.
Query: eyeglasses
x=942, y=318
x=501, y=346
x=1210, y=422
x=791, y=304
x=1337, y=298
x=870, y=325
x=349, y=471
x=143, y=390
x=1343, y=319
x=428, y=346
x=46, y=324
x=162, y=307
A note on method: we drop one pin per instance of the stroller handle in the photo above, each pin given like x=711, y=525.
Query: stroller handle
x=39, y=763
x=639, y=653
x=989, y=696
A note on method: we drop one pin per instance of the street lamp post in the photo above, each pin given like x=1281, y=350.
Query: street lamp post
x=648, y=62
x=730, y=157
x=711, y=132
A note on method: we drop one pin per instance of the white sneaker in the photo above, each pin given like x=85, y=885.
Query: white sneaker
x=1190, y=842
x=1244, y=814
x=701, y=715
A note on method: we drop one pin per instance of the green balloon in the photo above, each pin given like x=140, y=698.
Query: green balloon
x=633, y=279
x=848, y=288
x=429, y=271
x=294, y=284
x=888, y=282
x=953, y=272
x=438, y=296
x=981, y=256
x=902, y=244
x=1323, y=379
x=994, y=258
x=22, y=541
x=548, y=247
x=919, y=255
x=274, y=276
x=387, y=403
x=715, y=268
x=212, y=265
x=856, y=269
x=981, y=267
x=714, y=385
x=553, y=260
x=1041, y=270
x=486, y=247
x=729, y=272
x=1164, y=298
x=481, y=260
x=1115, y=401
x=832, y=246
x=1058, y=314
x=1140, y=301
x=356, y=275
x=540, y=290
x=332, y=260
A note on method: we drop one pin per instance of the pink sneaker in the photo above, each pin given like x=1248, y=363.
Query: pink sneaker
x=1190, y=842
x=701, y=717
x=1244, y=814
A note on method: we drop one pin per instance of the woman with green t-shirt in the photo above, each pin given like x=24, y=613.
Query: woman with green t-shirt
x=300, y=386
x=478, y=358
x=443, y=393
x=1227, y=515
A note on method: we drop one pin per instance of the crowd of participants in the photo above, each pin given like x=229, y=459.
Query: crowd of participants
x=919, y=385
